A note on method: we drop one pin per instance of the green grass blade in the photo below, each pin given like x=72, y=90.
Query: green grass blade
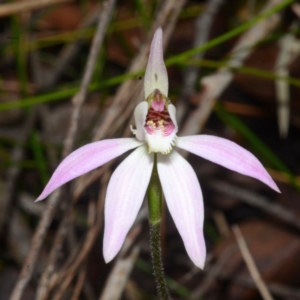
x=66, y=92
x=243, y=70
x=227, y=36
x=173, y=60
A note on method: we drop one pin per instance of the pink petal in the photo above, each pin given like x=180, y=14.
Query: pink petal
x=85, y=159
x=228, y=155
x=185, y=202
x=156, y=76
x=125, y=193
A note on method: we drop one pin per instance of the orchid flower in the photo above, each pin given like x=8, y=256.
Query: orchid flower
x=156, y=132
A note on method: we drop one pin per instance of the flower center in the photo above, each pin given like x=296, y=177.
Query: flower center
x=158, y=121
x=160, y=124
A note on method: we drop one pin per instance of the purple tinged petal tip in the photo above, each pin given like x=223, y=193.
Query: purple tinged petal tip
x=185, y=203
x=156, y=76
x=85, y=159
x=227, y=154
x=125, y=194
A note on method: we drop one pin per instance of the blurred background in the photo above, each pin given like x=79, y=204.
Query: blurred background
x=234, y=70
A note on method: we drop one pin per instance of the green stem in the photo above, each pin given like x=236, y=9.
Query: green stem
x=154, y=194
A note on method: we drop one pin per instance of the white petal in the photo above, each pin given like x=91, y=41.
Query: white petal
x=185, y=202
x=85, y=159
x=156, y=76
x=140, y=114
x=125, y=193
x=227, y=154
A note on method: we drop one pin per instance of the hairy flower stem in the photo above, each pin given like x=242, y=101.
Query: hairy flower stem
x=154, y=194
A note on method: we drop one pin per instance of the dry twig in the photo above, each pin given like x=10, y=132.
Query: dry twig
x=13, y=172
x=221, y=224
x=78, y=100
x=203, y=26
x=214, y=85
x=80, y=253
x=56, y=248
x=261, y=286
x=69, y=52
x=289, y=48
x=276, y=289
x=296, y=9
x=36, y=243
x=258, y=201
x=79, y=283
x=123, y=266
x=18, y=237
x=65, y=278
x=212, y=274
